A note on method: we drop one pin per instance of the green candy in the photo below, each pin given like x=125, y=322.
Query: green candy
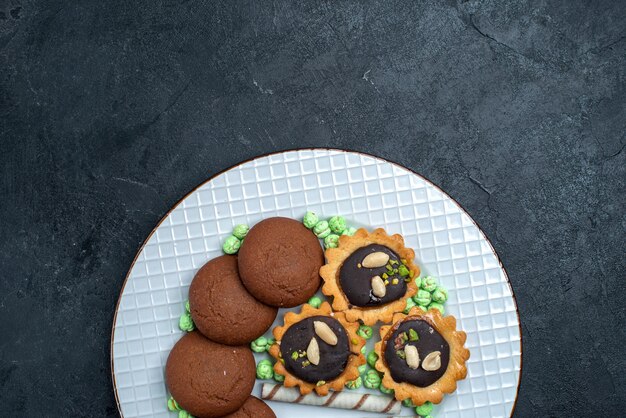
x=349, y=231
x=425, y=409
x=429, y=283
x=409, y=304
x=362, y=368
x=418, y=282
x=384, y=390
x=315, y=301
x=439, y=306
x=270, y=343
x=331, y=241
x=279, y=377
x=408, y=403
x=337, y=224
x=354, y=384
x=184, y=414
x=172, y=405
x=240, y=231
x=440, y=295
x=259, y=345
x=231, y=245
x=363, y=350
x=264, y=370
x=422, y=298
x=372, y=380
x=185, y=323
x=372, y=357
x=310, y=219
x=321, y=229
x=187, y=307
x=365, y=332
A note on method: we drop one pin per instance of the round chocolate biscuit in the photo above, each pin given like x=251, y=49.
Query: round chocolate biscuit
x=253, y=408
x=208, y=379
x=427, y=339
x=279, y=262
x=356, y=280
x=333, y=358
x=221, y=307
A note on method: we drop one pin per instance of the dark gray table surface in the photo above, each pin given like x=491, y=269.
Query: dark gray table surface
x=111, y=111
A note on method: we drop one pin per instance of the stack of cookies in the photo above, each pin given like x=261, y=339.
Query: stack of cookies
x=234, y=299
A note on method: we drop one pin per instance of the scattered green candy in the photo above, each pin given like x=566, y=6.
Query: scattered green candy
x=384, y=390
x=408, y=403
x=240, y=231
x=429, y=283
x=321, y=229
x=354, y=384
x=279, y=377
x=365, y=332
x=425, y=409
x=187, y=307
x=185, y=323
x=320, y=383
x=362, y=368
x=184, y=414
x=422, y=298
x=310, y=219
x=436, y=305
x=440, y=295
x=331, y=241
x=372, y=380
x=409, y=304
x=259, y=345
x=418, y=282
x=172, y=405
x=231, y=245
x=315, y=301
x=270, y=343
x=337, y=224
x=413, y=336
x=349, y=231
x=372, y=357
x=264, y=370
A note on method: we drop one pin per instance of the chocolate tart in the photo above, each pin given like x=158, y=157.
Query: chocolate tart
x=337, y=363
x=441, y=352
x=350, y=282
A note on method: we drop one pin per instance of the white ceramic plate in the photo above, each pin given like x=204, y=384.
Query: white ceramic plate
x=369, y=192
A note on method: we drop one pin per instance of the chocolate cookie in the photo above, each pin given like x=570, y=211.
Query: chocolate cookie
x=279, y=262
x=222, y=308
x=208, y=379
x=253, y=408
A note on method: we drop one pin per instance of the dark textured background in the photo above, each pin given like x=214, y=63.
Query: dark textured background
x=110, y=111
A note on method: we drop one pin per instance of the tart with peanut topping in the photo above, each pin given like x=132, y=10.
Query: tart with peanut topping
x=422, y=355
x=369, y=275
x=317, y=350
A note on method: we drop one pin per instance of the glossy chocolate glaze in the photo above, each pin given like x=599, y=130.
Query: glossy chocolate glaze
x=355, y=281
x=333, y=359
x=429, y=340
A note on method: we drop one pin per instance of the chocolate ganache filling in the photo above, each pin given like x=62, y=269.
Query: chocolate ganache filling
x=355, y=280
x=333, y=358
x=427, y=340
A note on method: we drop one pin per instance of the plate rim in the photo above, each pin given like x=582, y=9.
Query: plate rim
x=269, y=154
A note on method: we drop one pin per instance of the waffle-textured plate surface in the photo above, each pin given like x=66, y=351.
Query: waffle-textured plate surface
x=369, y=192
